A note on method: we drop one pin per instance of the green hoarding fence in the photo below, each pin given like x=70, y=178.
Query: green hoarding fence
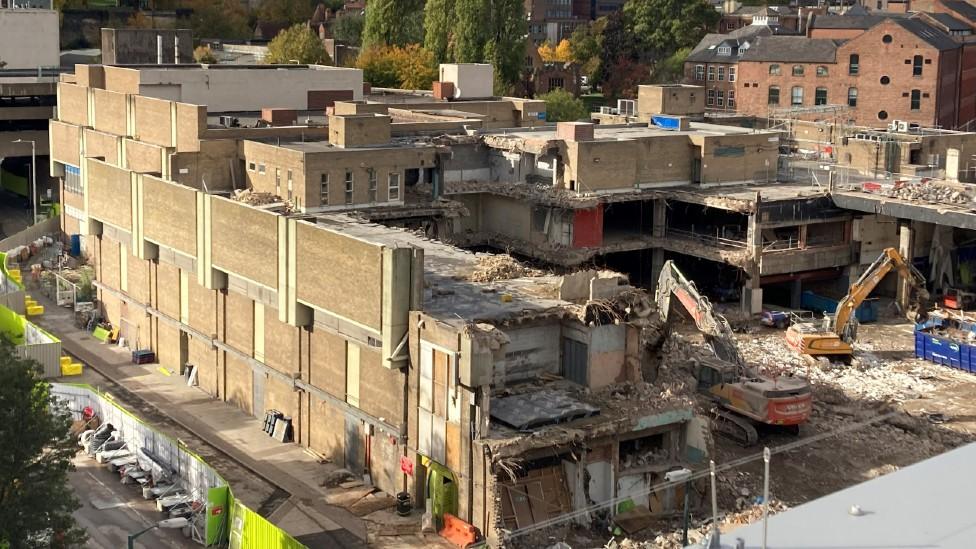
x=249, y=530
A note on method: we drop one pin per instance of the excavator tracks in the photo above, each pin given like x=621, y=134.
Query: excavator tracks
x=734, y=427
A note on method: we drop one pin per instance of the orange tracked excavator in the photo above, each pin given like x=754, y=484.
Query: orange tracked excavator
x=835, y=336
x=741, y=395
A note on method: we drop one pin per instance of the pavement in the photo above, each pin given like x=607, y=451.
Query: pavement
x=224, y=435
x=110, y=511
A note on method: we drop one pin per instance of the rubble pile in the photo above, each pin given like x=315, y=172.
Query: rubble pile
x=928, y=191
x=501, y=267
x=259, y=199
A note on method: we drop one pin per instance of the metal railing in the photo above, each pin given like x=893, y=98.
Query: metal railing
x=794, y=243
x=706, y=238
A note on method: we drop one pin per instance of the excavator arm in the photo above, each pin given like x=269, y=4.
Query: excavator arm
x=715, y=328
x=889, y=259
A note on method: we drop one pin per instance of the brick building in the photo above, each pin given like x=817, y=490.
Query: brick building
x=881, y=68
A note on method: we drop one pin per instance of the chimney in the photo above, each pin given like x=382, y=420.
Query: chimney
x=574, y=131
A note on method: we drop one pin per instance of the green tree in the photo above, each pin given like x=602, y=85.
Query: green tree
x=349, y=28
x=491, y=31
x=671, y=69
x=287, y=12
x=297, y=44
x=36, y=501
x=585, y=45
x=561, y=106
x=660, y=27
x=219, y=19
x=393, y=23
x=439, y=23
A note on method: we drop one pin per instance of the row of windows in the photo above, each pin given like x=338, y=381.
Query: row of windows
x=820, y=97
x=854, y=67
x=715, y=72
x=798, y=70
x=716, y=98
x=72, y=180
x=393, y=187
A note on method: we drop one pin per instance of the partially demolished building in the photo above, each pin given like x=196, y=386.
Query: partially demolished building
x=310, y=252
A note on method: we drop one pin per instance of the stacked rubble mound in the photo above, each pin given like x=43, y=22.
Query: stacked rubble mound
x=262, y=199
x=930, y=191
x=501, y=267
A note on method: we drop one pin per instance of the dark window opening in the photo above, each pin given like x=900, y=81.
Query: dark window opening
x=644, y=452
x=411, y=176
x=624, y=220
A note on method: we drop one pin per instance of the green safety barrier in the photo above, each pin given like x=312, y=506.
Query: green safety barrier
x=228, y=520
x=6, y=273
x=12, y=325
x=14, y=183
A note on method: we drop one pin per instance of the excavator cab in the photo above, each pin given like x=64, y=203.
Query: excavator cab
x=711, y=373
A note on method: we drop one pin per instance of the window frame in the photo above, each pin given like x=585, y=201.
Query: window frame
x=822, y=71
x=793, y=96
x=730, y=102
x=769, y=95
x=350, y=186
x=720, y=98
x=393, y=186
x=711, y=73
x=820, y=90
x=721, y=73
x=324, y=189
x=854, y=64
x=371, y=186
x=917, y=63
x=915, y=100
x=731, y=74
x=700, y=73
x=775, y=70
x=853, y=96
x=798, y=70
x=710, y=98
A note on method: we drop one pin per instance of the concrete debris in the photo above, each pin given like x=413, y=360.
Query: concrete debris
x=501, y=267
x=932, y=192
x=262, y=200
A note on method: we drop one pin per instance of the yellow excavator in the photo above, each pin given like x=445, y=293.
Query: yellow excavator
x=836, y=335
x=742, y=396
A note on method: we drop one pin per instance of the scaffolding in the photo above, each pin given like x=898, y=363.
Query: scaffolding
x=828, y=118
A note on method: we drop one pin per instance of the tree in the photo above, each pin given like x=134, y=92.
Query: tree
x=36, y=501
x=439, y=20
x=660, y=27
x=561, y=106
x=671, y=69
x=616, y=45
x=585, y=46
x=492, y=31
x=225, y=19
x=624, y=77
x=393, y=23
x=203, y=54
x=297, y=44
x=138, y=20
x=561, y=53
x=286, y=12
x=349, y=29
x=411, y=67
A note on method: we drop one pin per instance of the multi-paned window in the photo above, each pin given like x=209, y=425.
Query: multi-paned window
x=324, y=189
x=394, y=187
x=349, y=185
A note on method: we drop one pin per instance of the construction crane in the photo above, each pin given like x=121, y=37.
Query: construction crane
x=835, y=336
x=741, y=395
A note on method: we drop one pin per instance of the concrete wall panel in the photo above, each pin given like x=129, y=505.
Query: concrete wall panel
x=245, y=241
x=205, y=359
x=326, y=430
x=110, y=112
x=169, y=215
x=239, y=323
x=66, y=139
x=327, y=362
x=191, y=122
x=280, y=344
x=167, y=345
x=239, y=381
x=380, y=388
x=330, y=259
x=143, y=158
x=203, y=304
x=154, y=121
x=109, y=194
x=73, y=104
x=102, y=145
x=168, y=290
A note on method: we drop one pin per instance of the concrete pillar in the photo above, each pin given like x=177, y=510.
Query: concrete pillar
x=751, y=291
x=658, y=230
x=796, y=289
x=906, y=247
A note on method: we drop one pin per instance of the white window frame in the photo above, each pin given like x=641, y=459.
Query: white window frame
x=371, y=189
x=324, y=189
x=710, y=98
x=711, y=73
x=731, y=74
x=393, y=188
x=350, y=185
x=700, y=73
x=731, y=100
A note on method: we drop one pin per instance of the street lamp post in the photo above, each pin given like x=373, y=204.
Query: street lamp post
x=33, y=197
x=178, y=522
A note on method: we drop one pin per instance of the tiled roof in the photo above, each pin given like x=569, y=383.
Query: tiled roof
x=936, y=38
x=950, y=22
x=965, y=9
x=791, y=49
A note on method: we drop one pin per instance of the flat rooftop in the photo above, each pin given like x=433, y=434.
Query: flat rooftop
x=322, y=145
x=449, y=292
x=928, y=505
x=630, y=131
